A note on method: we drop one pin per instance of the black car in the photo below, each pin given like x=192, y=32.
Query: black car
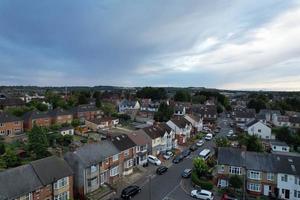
x=161, y=170
x=178, y=159
x=130, y=191
x=186, y=152
x=193, y=147
x=186, y=173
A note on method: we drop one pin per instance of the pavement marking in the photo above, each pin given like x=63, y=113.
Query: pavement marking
x=181, y=185
x=175, y=188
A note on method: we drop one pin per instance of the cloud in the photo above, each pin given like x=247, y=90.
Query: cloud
x=172, y=42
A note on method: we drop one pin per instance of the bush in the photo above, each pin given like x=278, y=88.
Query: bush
x=204, y=184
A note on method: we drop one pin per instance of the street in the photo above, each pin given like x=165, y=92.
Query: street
x=170, y=185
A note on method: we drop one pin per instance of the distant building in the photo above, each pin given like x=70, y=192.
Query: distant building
x=259, y=129
x=10, y=125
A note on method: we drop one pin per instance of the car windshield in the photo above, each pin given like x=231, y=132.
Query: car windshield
x=187, y=170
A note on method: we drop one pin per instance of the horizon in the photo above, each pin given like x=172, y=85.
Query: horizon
x=237, y=46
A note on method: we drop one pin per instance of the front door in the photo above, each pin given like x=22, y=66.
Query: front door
x=266, y=190
x=287, y=194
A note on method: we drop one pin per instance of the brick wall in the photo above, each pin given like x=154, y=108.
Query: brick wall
x=11, y=127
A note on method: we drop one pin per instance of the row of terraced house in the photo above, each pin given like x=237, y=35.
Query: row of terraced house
x=77, y=175
x=11, y=125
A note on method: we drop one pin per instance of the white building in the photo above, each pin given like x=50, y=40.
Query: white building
x=182, y=129
x=196, y=121
x=259, y=129
x=126, y=105
x=66, y=131
x=278, y=146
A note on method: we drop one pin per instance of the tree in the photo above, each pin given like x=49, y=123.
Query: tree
x=164, y=112
x=82, y=99
x=38, y=142
x=75, y=122
x=98, y=102
x=235, y=182
x=183, y=96
x=252, y=143
x=200, y=166
x=108, y=108
x=2, y=148
x=256, y=104
x=11, y=158
x=222, y=142
x=97, y=95
x=152, y=93
x=199, y=99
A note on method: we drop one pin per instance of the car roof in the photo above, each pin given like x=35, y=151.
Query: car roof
x=187, y=170
x=205, y=192
x=130, y=188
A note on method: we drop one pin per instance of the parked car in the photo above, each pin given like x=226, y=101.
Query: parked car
x=208, y=136
x=202, y=194
x=186, y=173
x=161, y=170
x=228, y=197
x=154, y=160
x=130, y=191
x=200, y=143
x=178, y=159
x=230, y=132
x=186, y=152
x=194, y=147
x=168, y=155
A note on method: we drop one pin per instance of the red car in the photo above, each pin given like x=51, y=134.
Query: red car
x=228, y=197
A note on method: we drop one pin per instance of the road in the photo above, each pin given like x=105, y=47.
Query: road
x=170, y=186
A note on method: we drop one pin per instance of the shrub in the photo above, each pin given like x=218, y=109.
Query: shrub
x=204, y=184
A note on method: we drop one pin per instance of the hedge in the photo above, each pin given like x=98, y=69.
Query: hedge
x=206, y=185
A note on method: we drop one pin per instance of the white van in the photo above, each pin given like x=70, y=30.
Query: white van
x=205, y=154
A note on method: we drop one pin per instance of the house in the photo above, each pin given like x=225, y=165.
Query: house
x=179, y=110
x=295, y=122
x=182, y=129
x=11, y=103
x=143, y=144
x=128, y=105
x=208, y=113
x=127, y=153
x=148, y=105
x=269, y=114
x=259, y=129
x=60, y=116
x=101, y=123
x=93, y=166
x=264, y=174
x=68, y=130
x=48, y=178
x=281, y=120
x=36, y=118
x=196, y=121
x=278, y=146
x=86, y=112
x=244, y=116
x=162, y=138
x=10, y=125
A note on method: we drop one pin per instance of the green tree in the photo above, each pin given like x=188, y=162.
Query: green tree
x=98, y=102
x=75, y=122
x=235, y=182
x=38, y=142
x=183, y=96
x=164, y=113
x=200, y=166
x=256, y=104
x=222, y=142
x=108, y=108
x=97, y=95
x=252, y=143
x=11, y=158
x=2, y=148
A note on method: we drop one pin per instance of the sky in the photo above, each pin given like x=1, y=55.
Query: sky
x=226, y=44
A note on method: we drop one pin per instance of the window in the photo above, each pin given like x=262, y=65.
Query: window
x=62, y=196
x=270, y=176
x=93, y=182
x=126, y=152
x=254, y=187
x=61, y=183
x=16, y=123
x=26, y=197
x=1, y=124
x=284, y=178
x=235, y=170
x=259, y=130
x=115, y=157
x=129, y=163
x=254, y=175
x=93, y=168
x=296, y=194
x=221, y=168
x=297, y=181
x=114, y=171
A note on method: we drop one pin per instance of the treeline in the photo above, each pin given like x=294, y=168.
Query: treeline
x=152, y=93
